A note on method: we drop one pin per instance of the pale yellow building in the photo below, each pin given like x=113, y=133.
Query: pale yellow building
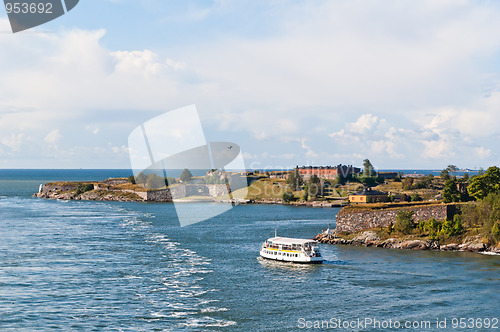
x=368, y=196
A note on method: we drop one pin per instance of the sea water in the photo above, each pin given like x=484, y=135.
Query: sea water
x=83, y=265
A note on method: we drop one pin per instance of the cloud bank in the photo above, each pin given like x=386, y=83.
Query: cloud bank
x=410, y=85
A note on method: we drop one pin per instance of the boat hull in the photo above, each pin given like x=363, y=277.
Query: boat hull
x=291, y=257
x=296, y=262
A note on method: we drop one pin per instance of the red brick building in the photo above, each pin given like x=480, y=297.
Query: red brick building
x=327, y=172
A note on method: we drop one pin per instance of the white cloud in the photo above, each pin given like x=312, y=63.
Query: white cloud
x=482, y=152
x=370, y=135
x=376, y=74
x=249, y=156
x=437, y=149
x=309, y=152
x=53, y=137
x=363, y=124
x=120, y=149
x=144, y=63
x=14, y=141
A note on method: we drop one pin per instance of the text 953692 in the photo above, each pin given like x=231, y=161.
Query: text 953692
x=29, y=8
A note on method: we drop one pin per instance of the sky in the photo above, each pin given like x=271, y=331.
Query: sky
x=406, y=84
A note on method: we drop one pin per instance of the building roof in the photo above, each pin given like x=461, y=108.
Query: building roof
x=290, y=241
x=328, y=167
x=369, y=192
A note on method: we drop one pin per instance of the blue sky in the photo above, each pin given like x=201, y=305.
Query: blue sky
x=406, y=84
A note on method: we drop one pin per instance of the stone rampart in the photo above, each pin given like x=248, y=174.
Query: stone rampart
x=51, y=190
x=353, y=220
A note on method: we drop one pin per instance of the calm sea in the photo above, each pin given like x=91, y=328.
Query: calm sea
x=74, y=265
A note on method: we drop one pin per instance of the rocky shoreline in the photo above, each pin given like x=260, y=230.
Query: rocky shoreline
x=92, y=196
x=279, y=201
x=371, y=239
x=128, y=197
x=111, y=190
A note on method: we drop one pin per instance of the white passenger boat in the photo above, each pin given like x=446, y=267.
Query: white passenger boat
x=291, y=250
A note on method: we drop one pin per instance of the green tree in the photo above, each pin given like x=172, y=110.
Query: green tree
x=488, y=183
x=483, y=214
x=398, y=177
x=314, y=186
x=314, y=179
x=446, y=228
x=495, y=230
x=131, y=179
x=445, y=174
x=81, y=188
x=305, y=197
x=368, y=168
x=295, y=180
x=452, y=169
x=433, y=226
x=341, y=180
x=452, y=227
x=186, y=176
x=450, y=191
x=153, y=181
x=405, y=198
x=141, y=178
x=368, y=181
x=390, y=228
x=416, y=198
x=408, y=183
x=404, y=222
x=288, y=197
x=458, y=227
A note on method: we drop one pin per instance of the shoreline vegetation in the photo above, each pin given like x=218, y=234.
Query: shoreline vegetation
x=461, y=230
x=472, y=225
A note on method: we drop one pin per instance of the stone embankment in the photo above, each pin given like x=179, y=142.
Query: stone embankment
x=121, y=190
x=371, y=239
x=101, y=191
x=354, y=219
x=360, y=225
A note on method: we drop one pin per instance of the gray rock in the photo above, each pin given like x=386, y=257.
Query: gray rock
x=433, y=245
x=391, y=243
x=414, y=244
x=366, y=237
x=473, y=246
x=450, y=247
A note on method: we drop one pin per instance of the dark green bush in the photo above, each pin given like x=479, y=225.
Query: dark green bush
x=288, y=197
x=81, y=188
x=404, y=223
